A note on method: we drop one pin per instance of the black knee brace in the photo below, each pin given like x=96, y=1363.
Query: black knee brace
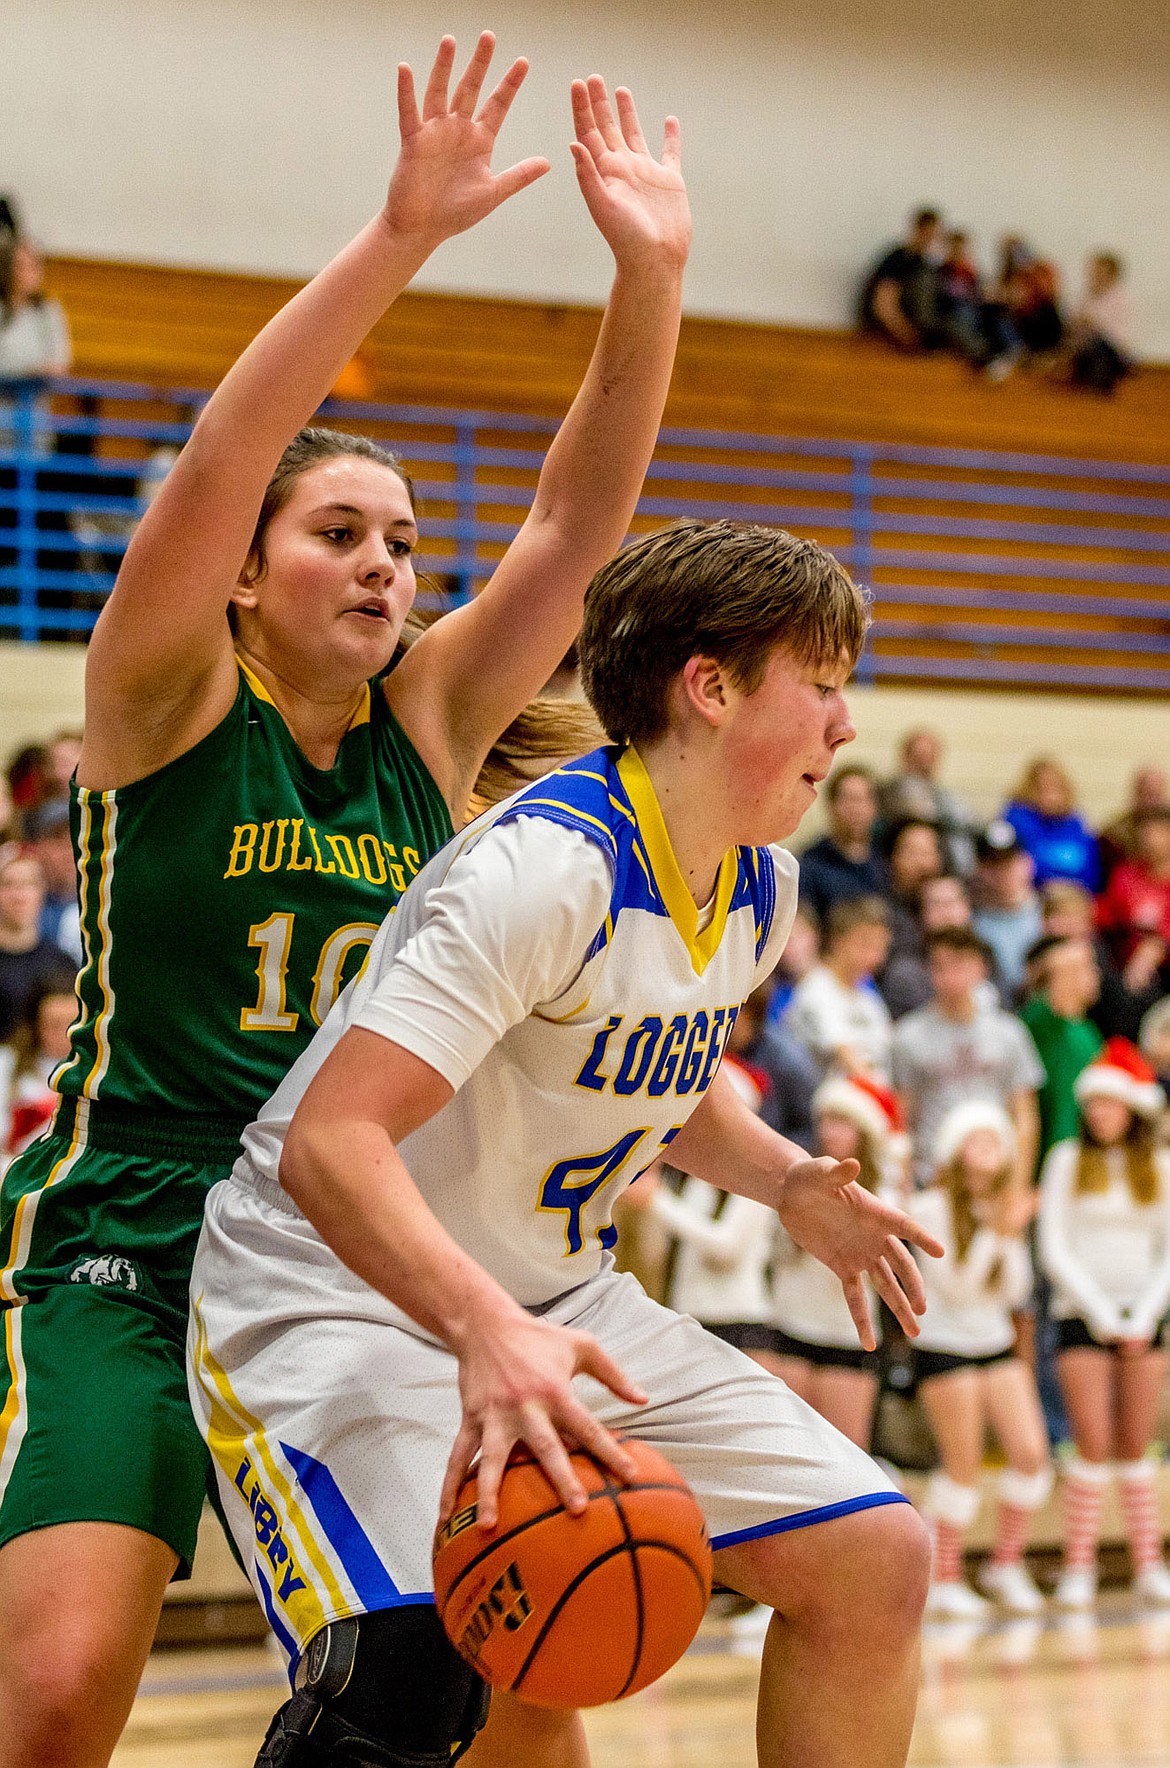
x=384, y=1690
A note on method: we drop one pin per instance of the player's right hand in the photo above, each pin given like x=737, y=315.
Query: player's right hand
x=515, y=1382
x=443, y=182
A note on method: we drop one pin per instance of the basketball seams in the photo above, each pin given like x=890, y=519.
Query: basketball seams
x=639, y=1591
x=520, y=1528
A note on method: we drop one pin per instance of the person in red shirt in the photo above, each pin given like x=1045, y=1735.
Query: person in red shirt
x=1134, y=911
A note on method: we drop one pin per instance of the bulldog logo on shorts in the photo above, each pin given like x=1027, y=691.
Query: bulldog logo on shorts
x=106, y=1270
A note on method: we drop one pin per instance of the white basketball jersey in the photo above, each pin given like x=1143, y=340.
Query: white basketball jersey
x=550, y=963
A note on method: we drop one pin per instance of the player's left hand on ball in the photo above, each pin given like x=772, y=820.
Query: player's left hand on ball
x=515, y=1380
x=638, y=203
x=852, y=1232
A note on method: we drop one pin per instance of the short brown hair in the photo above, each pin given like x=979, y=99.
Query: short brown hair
x=856, y=911
x=732, y=591
x=961, y=939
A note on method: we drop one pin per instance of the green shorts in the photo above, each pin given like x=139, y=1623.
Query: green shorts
x=98, y=1226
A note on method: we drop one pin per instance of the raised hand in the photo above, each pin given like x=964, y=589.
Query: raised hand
x=515, y=1381
x=443, y=182
x=638, y=203
x=856, y=1235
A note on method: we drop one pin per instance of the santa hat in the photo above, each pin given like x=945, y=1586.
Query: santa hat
x=1121, y=1072
x=872, y=1107
x=963, y=1120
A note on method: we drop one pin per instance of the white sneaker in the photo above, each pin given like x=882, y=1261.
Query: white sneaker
x=1012, y=1587
x=1076, y=1589
x=955, y=1602
x=1152, y=1586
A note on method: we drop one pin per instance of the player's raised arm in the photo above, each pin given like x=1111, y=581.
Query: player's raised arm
x=163, y=638
x=822, y=1208
x=474, y=671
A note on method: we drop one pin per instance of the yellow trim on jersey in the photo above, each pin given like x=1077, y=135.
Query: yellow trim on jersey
x=680, y=904
x=98, y=960
x=573, y=810
x=238, y=1430
x=24, y=1215
x=361, y=712
x=14, y=1418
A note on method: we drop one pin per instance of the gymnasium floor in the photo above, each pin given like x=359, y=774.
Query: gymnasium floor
x=1058, y=1694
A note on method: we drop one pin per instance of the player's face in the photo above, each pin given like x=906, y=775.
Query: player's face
x=781, y=741
x=340, y=565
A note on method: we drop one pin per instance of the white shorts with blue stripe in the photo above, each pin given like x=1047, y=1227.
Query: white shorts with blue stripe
x=331, y=1418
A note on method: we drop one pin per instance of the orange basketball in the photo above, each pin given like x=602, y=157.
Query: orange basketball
x=572, y=1611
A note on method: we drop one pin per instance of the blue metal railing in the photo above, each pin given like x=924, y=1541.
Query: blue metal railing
x=990, y=567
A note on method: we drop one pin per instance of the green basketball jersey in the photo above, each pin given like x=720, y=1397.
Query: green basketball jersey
x=229, y=897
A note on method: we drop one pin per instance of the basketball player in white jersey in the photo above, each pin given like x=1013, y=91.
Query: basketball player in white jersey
x=415, y=1248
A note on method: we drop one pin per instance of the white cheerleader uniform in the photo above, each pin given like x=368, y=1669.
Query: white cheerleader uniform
x=969, y=1300
x=1106, y=1256
x=550, y=963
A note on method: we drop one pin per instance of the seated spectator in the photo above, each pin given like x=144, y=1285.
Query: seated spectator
x=915, y=857
x=845, y=862
x=836, y=1012
x=1118, y=840
x=62, y=753
x=1007, y=912
x=34, y=333
x=900, y=299
x=1070, y=913
x=26, y=956
x=1043, y=813
x=46, y=830
x=963, y=1047
x=800, y=953
x=961, y=300
x=915, y=792
x=1066, y=985
x=1134, y=909
x=790, y=1074
x=1101, y=337
x=39, y=1044
x=1027, y=293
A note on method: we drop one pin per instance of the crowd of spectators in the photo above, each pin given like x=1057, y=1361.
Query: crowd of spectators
x=960, y=1008
x=927, y=292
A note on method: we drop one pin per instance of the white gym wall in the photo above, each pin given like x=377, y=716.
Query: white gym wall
x=255, y=134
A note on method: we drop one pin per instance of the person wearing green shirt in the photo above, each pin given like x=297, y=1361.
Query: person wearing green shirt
x=1067, y=982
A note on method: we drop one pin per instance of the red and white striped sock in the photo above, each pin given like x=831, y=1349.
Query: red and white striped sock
x=1011, y=1534
x=1138, y=1493
x=1084, y=1494
x=946, y=1540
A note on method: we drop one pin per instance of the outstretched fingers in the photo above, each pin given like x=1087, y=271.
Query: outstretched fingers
x=466, y=94
x=628, y=117
x=519, y=177
x=895, y=1297
x=499, y=103
x=435, y=96
x=603, y=113
x=408, y=117
x=904, y=1267
x=672, y=144
x=858, y=1305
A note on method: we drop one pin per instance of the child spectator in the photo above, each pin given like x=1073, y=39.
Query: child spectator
x=900, y=299
x=1071, y=913
x=905, y=981
x=1067, y=984
x=845, y=862
x=915, y=857
x=1006, y=907
x=1101, y=340
x=962, y=1048
x=836, y=1012
x=39, y=1044
x=816, y=1340
x=969, y=1377
x=1043, y=814
x=1105, y=1246
x=26, y=956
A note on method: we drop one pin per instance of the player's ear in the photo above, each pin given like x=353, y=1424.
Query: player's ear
x=704, y=689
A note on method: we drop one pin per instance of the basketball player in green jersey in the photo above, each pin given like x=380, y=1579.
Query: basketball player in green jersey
x=251, y=798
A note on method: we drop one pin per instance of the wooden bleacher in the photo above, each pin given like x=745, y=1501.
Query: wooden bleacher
x=185, y=327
